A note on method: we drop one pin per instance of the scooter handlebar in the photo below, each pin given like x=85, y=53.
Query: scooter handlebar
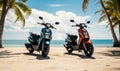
x=80, y=25
x=41, y=23
x=53, y=27
x=73, y=25
x=45, y=25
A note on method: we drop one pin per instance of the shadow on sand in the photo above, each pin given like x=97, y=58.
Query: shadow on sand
x=38, y=56
x=5, y=54
x=81, y=56
x=8, y=54
x=114, y=53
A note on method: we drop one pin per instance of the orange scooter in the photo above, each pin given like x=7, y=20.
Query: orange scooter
x=84, y=42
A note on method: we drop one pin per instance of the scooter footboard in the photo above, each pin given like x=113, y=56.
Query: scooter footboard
x=27, y=45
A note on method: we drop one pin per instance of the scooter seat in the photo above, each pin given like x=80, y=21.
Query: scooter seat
x=73, y=37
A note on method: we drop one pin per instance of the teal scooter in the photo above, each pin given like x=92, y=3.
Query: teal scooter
x=41, y=42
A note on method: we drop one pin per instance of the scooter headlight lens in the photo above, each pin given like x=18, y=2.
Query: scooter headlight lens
x=48, y=25
x=47, y=42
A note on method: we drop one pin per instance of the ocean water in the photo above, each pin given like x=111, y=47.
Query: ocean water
x=54, y=43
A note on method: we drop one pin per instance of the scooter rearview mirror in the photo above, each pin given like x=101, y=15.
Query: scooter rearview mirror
x=71, y=20
x=40, y=17
x=56, y=23
x=88, y=22
x=85, y=26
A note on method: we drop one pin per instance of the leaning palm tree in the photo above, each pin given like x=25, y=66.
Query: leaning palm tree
x=19, y=8
x=114, y=20
x=112, y=7
x=2, y=18
x=115, y=40
x=116, y=23
x=116, y=43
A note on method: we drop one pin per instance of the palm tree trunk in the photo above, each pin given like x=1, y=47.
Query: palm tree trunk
x=119, y=33
x=2, y=19
x=115, y=40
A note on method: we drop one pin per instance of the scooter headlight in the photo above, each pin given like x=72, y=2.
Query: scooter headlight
x=48, y=25
x=47, y=42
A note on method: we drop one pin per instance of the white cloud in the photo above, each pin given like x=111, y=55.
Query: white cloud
x=61, y=16
x=56, y=5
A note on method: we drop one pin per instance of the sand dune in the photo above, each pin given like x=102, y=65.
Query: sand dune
x=18, y=59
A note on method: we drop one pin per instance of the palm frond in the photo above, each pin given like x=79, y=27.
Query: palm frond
x=103, y=17
x=114, y=19
x=107, y=25
x=16, y=19
x=98, y=11
x=0, y=12
x=108, y=3
x=19, y=15
x=1, y=3
x=116, y=23
x=23, y=7
x=84, y=4
x=23, y=0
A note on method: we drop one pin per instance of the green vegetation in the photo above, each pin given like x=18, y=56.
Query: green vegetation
x=111, y=11
x=19, y=8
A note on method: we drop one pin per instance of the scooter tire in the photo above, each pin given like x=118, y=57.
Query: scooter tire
x=31, y=50
x=69, y=50
x=46, y=51
x=90, y=50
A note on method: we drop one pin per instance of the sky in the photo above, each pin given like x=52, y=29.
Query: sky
x=56, y=10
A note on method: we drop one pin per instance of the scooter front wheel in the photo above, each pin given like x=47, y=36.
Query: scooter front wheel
x=46, y=50
x=88, y=50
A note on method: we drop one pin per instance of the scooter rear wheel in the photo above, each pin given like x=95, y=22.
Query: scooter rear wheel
x=69, y=50
x=31, y=50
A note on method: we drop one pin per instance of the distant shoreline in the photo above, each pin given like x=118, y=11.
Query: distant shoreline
x=55, y=43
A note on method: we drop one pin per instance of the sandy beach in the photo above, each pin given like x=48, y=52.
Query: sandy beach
x=18, y=59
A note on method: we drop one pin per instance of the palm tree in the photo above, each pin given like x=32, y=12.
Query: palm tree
x=112, y=7
x=116, y=23
x=116, y=43
x=115, y=40
x=19, y=8
x=2, y=20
